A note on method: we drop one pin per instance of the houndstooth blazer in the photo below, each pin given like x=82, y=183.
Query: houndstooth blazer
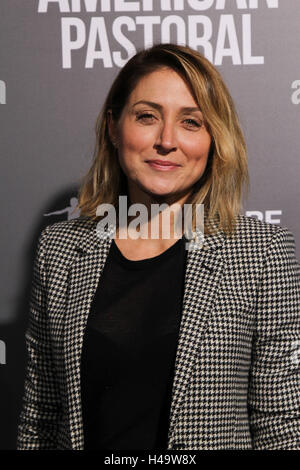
x=236, y=383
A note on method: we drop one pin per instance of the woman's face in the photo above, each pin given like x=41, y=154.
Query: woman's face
x=163, y=144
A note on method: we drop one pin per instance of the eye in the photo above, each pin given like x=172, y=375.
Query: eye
x=146, y=118
x=193, y=123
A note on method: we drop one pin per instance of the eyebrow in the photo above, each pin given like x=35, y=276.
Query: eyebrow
x=159, y=107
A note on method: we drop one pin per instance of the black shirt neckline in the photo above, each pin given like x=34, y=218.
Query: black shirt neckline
x=147, y=262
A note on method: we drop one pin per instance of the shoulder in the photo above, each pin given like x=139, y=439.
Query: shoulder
x=251, y=227
x=63, y=237
x=256, y=237
x=71, y=228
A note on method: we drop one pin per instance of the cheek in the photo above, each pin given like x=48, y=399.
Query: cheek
x=197, y=149
x=133, y=140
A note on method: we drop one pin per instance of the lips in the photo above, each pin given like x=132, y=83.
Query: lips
x=163, y=162
x=162, y=165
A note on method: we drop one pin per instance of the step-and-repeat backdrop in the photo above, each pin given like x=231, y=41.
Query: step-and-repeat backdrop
x=58, y=60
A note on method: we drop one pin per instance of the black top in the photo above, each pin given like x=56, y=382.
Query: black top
x=129, y=350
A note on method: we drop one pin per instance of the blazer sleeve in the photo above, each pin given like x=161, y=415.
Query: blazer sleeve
x=274, y=386
x=38, y=421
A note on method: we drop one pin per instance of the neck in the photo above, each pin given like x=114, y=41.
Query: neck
x=161, y=217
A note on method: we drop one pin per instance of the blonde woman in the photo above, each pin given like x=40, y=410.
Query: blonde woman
x=139, y=342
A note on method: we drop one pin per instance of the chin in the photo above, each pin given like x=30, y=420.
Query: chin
x=159, y=192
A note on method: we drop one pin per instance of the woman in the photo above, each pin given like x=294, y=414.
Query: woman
x=140, y=343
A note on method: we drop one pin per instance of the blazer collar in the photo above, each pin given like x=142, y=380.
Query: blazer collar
x=91, y=239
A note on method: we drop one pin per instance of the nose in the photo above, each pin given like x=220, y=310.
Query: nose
x=166, y=138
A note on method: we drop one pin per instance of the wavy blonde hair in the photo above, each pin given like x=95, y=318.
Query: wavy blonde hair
x=220, y=188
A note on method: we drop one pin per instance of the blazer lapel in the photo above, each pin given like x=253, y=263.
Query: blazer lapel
x=203, y=272
x=202, y=277
x=84, y=275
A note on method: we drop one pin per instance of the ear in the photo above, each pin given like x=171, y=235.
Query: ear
x=112, y=128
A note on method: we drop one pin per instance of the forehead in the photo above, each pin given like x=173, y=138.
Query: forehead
x=163, y=86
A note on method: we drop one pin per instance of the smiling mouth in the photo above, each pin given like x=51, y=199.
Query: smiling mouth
x=162, y=165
